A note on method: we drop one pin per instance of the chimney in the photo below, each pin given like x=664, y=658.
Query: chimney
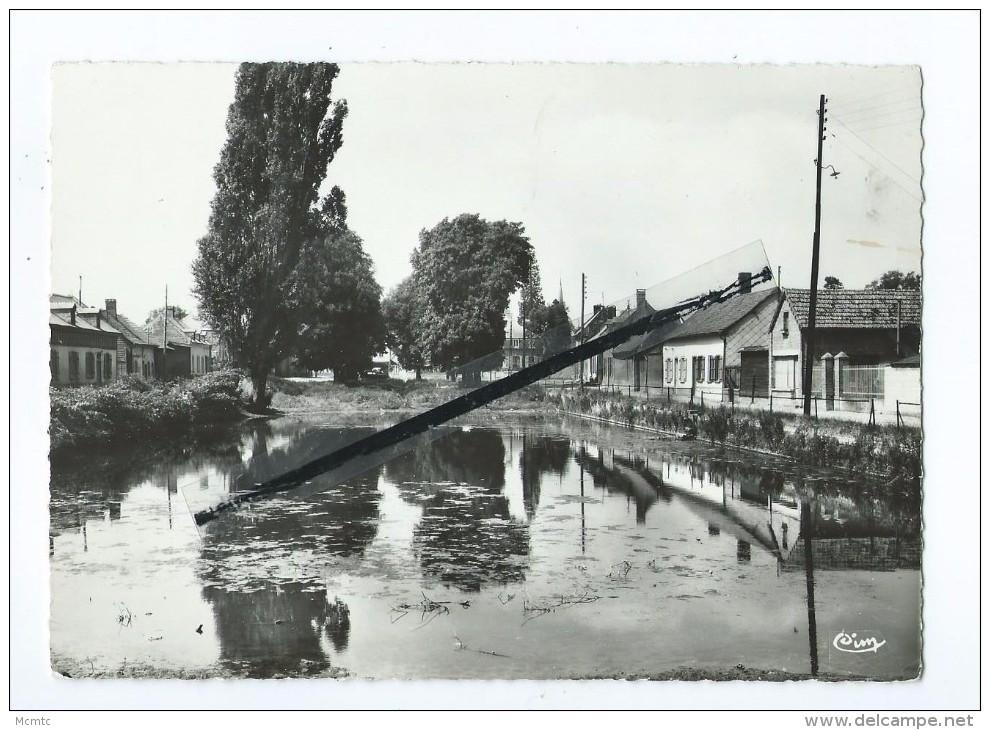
x=745, y=282
x=98, y=320
x=171, y=311
x=640, y=298
x=72, y=315
x=112, y=307
x=595, y=309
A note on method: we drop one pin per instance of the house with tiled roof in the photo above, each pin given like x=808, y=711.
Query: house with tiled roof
x=135, y=351
x=203, y=333
x=179, y=354
x=856, y=332
x=594, y=367
x=81, y=352
x=622, y=369
x=721, y=351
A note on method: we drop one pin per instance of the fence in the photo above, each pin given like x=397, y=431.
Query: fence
x=861, y=381
x=869, y=409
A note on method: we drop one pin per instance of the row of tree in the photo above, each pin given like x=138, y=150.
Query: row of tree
x=889, y=280
x=279, y=272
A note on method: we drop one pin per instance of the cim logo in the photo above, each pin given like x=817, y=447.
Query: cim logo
x=858, y=642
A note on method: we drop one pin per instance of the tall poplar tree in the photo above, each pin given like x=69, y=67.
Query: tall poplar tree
x=283, y=130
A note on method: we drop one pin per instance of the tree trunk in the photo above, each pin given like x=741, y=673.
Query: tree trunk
x=419, y=374
x=262, y=398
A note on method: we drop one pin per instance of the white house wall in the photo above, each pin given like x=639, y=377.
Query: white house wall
x=705, y=347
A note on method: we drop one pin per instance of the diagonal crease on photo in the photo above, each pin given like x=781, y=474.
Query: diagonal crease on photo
x=382, y=446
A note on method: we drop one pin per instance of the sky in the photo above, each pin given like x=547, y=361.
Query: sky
x=629, y=173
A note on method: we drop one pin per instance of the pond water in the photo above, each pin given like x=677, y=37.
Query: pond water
x=523, y=549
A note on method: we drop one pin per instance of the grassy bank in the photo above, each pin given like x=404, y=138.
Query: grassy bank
x=132, y=408
x=888, y=450
x=311, y=396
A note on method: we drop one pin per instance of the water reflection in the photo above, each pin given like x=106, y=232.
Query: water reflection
x=466, y=536
x=263, y=566
x=494, y=513
x=540, y=456
x=276, y=630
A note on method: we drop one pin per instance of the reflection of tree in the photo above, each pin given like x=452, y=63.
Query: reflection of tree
x=467, y=540
x=273, y=630
x=84, y=485
x=254, y=545
x=274, y=452
x=472, y=457
x=466, y=537
x=540, y=455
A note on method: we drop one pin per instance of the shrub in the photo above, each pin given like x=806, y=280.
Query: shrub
x=134, y=407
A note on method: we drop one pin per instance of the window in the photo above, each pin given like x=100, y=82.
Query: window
x=682, y=369
x=714, y=368
x=53, y=363
x=90, y=366
x=698, y=364
x=73, y=366
x=784, y=372
x=107, y=366
x=668, y=370
x=784, y=328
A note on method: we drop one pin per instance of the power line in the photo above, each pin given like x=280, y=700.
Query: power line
x=894, y=164
x=900, y=123
x=873, y=164
x=862, y=97
x=853, y=109
x=858, y=119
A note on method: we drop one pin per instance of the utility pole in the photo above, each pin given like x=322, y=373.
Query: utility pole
x=581, y=331
x=80, y=291
x=165, y=332
x=809, y=347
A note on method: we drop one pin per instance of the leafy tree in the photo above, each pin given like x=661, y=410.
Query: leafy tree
x=531, y=297
x=550, y=326
x=832, y=282
x=896, y=280
x=343, y=327
x=155, y=315
x=283, y=130
x=402, y=309
x=465, y=270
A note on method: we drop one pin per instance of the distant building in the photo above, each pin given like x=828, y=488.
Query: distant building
x=81, y=353
x=135, y=352
x=202, y=332
x=179, y=354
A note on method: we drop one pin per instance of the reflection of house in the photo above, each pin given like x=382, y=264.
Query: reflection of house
x=724, y=347
x=82, y=353
x=856, y=332
x=185, y=354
